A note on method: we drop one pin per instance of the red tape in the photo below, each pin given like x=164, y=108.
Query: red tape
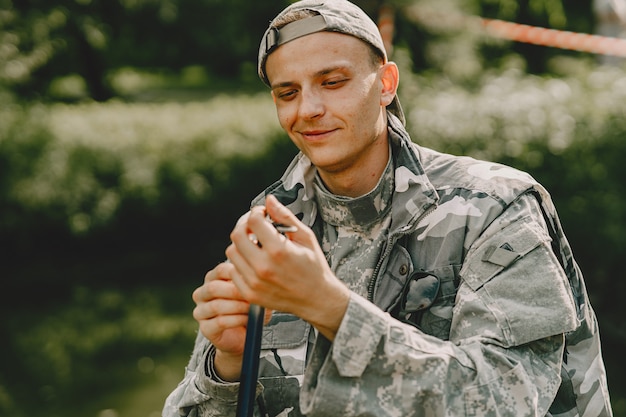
x=562, y=39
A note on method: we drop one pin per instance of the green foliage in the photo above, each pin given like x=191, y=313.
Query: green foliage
x=99, y=340
x=102, y=155
x=446, y=36
x=88, y=40
x=95, y=197
x=47, y=47
x=504, y=112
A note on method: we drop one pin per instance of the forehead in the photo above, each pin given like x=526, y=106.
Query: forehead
x=317, y=50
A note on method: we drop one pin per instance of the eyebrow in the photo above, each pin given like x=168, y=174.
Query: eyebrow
x=322, y=72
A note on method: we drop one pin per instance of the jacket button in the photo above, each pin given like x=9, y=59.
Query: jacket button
x=404, y=269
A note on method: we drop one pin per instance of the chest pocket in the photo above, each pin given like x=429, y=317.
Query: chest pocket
x=437, y=319
x=422, y=298
x=427, y=300
x=284, y=346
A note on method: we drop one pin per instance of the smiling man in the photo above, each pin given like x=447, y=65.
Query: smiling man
x=330, y=95
x=416, y=283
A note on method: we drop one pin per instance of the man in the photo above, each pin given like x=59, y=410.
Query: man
x=417, y=283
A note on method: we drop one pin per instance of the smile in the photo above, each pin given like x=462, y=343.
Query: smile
x=316, y=134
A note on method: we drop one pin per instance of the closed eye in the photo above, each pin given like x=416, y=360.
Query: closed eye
x=335, y=82
x=287, y=94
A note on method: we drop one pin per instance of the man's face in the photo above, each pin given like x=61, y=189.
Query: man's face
x=330, y=100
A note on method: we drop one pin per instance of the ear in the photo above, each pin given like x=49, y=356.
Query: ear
x=390, y=77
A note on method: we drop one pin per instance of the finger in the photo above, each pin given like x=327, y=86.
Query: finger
x=215, y=289
x=243, y=219
x=243, y=275
x=220, y=272
x=220, y=307
x=241, y=227
x=244, y=234
x=214, y=328
x=279, y=213
x=259, y=227
x=270, y=233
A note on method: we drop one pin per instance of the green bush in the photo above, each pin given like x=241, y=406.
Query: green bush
x=102, y=155
x=100, y=342
x=103, y=207
x=85, y=181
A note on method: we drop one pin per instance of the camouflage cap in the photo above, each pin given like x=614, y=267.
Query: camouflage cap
x=331, y=16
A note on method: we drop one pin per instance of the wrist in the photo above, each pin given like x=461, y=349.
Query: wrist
x=227, y=366
x=328, y=316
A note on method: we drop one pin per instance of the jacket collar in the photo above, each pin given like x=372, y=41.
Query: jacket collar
x=413, y=195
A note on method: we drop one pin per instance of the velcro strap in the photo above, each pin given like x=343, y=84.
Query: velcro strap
x=295, y=30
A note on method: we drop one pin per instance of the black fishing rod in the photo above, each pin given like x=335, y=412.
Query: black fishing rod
x=252, y=347
x=250, y=365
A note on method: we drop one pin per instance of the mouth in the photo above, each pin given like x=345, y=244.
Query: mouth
x=314, y=135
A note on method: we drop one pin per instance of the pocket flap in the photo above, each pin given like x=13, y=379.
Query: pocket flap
x=284, y=331
x=502, y=250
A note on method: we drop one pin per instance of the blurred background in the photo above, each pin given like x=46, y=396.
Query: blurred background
x=133, y=133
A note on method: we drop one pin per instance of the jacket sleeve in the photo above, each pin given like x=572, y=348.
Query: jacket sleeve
x=505, y=350
x=200, y=394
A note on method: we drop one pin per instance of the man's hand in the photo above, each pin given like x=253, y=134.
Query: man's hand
x=222, y=314
x=286, y=273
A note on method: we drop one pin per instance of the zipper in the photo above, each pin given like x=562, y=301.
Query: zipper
x=390, y=243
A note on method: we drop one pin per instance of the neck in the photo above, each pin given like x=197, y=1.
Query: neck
x=359, y=180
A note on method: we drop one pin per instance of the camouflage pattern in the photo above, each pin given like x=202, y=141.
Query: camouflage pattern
x=355, y=230
x=509, y=332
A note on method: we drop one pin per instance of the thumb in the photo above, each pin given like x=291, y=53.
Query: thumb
x=279, y=213
x=303, y=236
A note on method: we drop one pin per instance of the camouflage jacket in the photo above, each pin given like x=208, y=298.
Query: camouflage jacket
x=476, y=308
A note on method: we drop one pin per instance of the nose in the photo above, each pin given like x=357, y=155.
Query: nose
x=311, y=104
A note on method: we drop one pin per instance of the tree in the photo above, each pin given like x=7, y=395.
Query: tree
x=41, y=40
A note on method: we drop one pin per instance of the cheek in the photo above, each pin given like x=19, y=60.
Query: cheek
x=284, y=117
